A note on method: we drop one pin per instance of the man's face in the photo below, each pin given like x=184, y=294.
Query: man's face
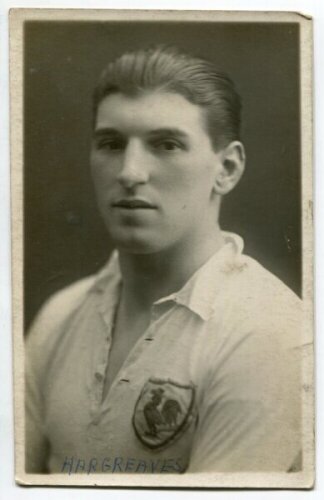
x=154, y=169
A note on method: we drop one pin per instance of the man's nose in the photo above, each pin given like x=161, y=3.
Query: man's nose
x=134, y=169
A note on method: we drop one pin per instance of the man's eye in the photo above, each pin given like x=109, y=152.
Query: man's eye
x=111, y=144
x=168, y=145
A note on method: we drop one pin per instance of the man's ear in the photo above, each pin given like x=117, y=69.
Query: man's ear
x=232, y=166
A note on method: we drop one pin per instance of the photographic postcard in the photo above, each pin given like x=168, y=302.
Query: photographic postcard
x=162, y=233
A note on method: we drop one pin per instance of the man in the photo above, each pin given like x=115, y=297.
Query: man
x=182, y=353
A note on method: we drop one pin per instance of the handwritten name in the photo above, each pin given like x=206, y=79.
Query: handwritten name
x=75, y=465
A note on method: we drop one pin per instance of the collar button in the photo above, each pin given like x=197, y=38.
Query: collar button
x=99, y=376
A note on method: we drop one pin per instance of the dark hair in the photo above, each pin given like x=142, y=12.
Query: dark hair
x=169, y=70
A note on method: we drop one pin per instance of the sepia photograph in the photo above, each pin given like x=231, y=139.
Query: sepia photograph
x=161, y=166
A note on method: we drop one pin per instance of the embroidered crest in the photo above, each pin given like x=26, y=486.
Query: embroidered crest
x=162, y=411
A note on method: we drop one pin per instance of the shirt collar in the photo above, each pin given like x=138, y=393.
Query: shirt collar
x=109, y=274
x=199, y=292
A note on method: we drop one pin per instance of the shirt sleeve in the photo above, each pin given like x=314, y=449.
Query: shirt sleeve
x=249, y=414
x=36, y=444
x=41, y=344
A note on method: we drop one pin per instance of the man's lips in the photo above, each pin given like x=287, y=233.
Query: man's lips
x=133, y=203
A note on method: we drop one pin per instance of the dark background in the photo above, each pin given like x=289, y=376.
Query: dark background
x=64, y=236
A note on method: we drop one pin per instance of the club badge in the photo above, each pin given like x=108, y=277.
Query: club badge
x=163, y=411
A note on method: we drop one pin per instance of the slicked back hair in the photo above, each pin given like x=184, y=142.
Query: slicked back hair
x=167, y=69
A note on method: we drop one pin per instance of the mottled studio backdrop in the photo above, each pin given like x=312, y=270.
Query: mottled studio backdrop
x=64, y=237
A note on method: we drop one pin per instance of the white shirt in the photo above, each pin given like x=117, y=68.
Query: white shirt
x=212, y=385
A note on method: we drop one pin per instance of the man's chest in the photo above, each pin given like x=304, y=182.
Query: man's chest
x=150, y=409
x=126, y=332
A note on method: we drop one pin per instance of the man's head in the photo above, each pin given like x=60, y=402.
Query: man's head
x=166, y=69
x=165, y=149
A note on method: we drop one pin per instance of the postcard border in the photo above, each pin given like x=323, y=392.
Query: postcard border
x=299, y=480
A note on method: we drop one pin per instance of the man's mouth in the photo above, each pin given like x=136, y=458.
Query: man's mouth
x=133, y=204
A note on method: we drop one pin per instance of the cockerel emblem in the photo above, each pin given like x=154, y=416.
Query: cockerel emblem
x=163, y=409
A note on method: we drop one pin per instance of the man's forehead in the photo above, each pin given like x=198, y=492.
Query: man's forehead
x=151, y=110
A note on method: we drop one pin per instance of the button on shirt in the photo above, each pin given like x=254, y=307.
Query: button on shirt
x=212, y=385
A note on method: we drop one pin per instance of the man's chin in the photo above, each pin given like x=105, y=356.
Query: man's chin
x=137, y=249
x=135, y=244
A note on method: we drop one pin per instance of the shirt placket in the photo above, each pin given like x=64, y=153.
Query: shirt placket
x=101, y=357
x=125, y=377
x=129, y=373
x=147, y=339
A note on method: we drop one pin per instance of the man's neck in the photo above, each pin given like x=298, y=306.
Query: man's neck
x=149, y=277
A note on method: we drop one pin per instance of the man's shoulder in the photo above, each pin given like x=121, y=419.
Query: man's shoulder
x=68, y=298
x=256, y=319
x=262, y=285
x=62, y=304
x=57, y=309
x=255, y=300
x=260, y=276
x=248, y=282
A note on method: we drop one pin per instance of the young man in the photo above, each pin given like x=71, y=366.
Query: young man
x=182, y=354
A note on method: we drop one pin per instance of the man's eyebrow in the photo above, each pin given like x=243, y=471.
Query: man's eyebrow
x=159, y=132
x=99, y=132
x=167, y=132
